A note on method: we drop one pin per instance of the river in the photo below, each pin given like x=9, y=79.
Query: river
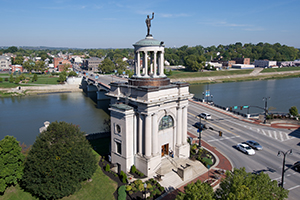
x=23, y=116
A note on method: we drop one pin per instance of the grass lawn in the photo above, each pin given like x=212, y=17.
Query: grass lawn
x=42, y=79
x=283, y=69
x=184, y=74
x=101, y=187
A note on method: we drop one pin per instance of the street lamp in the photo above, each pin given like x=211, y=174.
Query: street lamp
x=211, y=96
x=145, y=186
x=203, y=100
x=283, y=163
x=265, y=99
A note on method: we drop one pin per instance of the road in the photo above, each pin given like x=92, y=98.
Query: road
x=236, y=131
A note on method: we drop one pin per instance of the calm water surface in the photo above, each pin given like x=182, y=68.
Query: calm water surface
x=283, y=93
x=23, y=116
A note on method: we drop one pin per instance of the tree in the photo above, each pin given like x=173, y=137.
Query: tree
x=106, y=66
x=197, y=190
x=194, y=62
x=18, y=60
x=293, y=111
x=11, y=162
x=62, y=78
x=59, y=160
x=34, y=78
x=240, y=184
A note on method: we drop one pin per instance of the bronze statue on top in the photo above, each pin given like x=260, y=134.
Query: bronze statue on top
x=148, y=24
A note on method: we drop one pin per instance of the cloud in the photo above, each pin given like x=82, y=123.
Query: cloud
x=167, y=15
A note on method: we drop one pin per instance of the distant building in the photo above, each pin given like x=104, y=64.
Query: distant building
x=60, y=61
x=92, y=63
x=244, y=61
x=16, y=68
x=5, y=62
x=242, y=66
x=288, y=63
x=265, y=63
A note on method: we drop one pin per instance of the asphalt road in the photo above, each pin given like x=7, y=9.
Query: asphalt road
x=236, y=131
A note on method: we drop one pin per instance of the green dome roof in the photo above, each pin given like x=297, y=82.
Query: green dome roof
x=148, y=41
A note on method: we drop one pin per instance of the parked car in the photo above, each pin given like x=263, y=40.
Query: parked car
x=297, y=167
x=254, y=144
x=204, y=115
x=245, y=148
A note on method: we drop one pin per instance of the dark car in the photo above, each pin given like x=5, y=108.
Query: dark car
x=297, y=167
x=254, y=144
x=198, y=125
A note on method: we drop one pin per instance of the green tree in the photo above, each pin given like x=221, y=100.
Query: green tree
x=11, y=78
x=29, y=65
x=72, y=73
x=62, y=78
x=240, y=184
x=18, y=60
x=34, y=78
x=197, y=190
x=59, y=160
x=293, y=111
x=106, y=66
x=194, y=62
x=11, y=162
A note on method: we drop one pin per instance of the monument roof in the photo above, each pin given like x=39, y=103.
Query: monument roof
x=149, y=41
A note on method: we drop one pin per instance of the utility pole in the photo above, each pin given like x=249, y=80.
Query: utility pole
x=200, y=131
x=265, y=99
x=283, y=164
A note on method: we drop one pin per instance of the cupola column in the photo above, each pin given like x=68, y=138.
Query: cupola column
x=184, y=125
x=161, y=64
x=179, y=126
x=145, y=63
x=138, y=60
x=154, y=64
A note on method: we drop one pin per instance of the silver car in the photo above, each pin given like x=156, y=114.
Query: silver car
x=205, y=116
x=254, y=144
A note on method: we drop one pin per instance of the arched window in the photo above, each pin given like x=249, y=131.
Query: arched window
x=166, y=122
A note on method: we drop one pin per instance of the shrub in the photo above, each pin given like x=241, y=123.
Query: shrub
x=1, y=80
x=161, y=188
x=107, y=168
x=130, y=192
x=141, y=187
x=141, y=174
x=121, y=193
x=6, y=79
x=133, y=169
x=149, y=186
x=128, y=188
x=17, y=80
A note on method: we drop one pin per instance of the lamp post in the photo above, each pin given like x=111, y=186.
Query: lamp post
x=200, y=131
x=283, y=164
x=145, y=186
x=211, y=96
x=265, y=99
x=203, y=97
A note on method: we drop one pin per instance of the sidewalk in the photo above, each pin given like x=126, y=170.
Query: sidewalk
x=224, y=163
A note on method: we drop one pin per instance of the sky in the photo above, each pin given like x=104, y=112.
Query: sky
x=121, y=23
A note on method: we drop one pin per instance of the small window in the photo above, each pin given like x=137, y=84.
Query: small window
x=118, y=128
x=119, y=147
x=166, y=122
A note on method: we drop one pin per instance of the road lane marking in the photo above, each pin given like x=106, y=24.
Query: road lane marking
x=263, y=132
x=281, y=138
x=275, y=135
x=214, y=140
x=270, y=135
x=294, y=187
x=215, y=125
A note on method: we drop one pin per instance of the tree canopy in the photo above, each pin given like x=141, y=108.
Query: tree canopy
x=237, y=185
x=196, y=190
x=58, y=161
x=11, y=162
x=240, y=184
x=293, y=111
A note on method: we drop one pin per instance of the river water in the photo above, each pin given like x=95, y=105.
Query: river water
x=23, y=116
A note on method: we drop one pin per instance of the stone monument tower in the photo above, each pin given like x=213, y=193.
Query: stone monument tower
x=148, y=113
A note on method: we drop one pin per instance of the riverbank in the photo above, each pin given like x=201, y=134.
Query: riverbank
x=39, y=89
x=255, y=75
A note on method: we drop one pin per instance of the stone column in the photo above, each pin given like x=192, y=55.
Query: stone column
x=134, y=139
x=184, y=125
x=154, y=135
x=140, y=135
x=154, y=64
x=179, y=126
x=135, y=64
x=138, y=64
x=161, y=63
x=151, y=64
x=148, y=141
x=145, y=63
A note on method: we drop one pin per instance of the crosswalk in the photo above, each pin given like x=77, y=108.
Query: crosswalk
x=277, y=135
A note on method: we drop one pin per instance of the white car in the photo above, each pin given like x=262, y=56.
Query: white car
x=245, y=148
x=204, y=115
